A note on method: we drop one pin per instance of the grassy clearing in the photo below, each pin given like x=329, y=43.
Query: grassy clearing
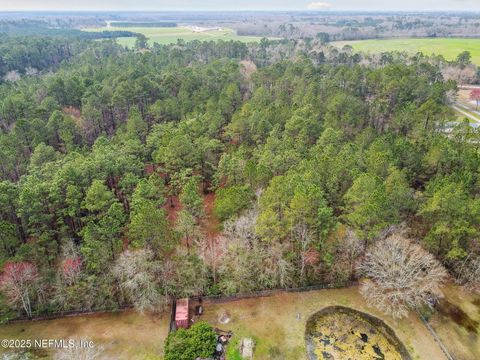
x=462, y=118
x=272, y=322
x=124, y=335
x=471, y=118
x=276, y=323
x=448, y=47
x=458, y=323
x=163, y=35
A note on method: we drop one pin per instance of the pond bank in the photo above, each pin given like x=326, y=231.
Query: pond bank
x=338, y=332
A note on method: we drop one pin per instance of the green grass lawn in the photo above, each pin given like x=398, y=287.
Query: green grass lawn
x=164, y=35
x=448, y=47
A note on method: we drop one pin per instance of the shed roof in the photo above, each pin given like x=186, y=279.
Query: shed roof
x=181, y=312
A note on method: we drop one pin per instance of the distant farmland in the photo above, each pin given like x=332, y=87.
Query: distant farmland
x=448, y=47
x=170, y=35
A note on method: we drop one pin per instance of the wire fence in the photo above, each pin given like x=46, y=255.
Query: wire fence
x=70, y=313
x=218, y=299
x=221, y=298
x=436, y=337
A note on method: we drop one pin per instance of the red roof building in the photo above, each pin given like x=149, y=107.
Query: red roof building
x=182, y=318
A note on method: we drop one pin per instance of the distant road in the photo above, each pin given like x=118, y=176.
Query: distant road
x=469, y=86
x=458, y=107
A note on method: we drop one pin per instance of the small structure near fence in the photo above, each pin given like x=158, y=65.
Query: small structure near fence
x=182, y=314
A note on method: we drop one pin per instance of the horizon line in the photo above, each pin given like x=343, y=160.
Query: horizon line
x=241, y=10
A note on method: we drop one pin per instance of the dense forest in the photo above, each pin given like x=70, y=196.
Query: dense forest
x=29, y=47
x=129, y=177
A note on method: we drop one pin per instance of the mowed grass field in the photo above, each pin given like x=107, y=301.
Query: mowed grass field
x=277, y=323
x=166, y=35
x=448, y=47
x=122, y=335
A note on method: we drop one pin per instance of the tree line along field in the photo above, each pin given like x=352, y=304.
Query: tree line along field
x=170, y=35
x=447, y=47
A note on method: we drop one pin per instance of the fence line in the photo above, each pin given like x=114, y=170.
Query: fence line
x=71, y=313
x=214, y=298
x=270, y=292
x=435, y=336
x=222, y=299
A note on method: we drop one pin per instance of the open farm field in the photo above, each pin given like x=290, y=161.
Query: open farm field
x=169, y=35
x=448, y=47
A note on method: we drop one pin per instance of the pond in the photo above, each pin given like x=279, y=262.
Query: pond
x=340, y=333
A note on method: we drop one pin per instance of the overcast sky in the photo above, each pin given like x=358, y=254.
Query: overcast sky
x=405, y=5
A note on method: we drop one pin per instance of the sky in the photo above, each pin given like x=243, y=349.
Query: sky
x=209, y=5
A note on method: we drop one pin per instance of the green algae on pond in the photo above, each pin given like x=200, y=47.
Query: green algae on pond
x=339, y=333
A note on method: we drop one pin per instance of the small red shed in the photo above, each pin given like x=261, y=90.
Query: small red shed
x=182, y=318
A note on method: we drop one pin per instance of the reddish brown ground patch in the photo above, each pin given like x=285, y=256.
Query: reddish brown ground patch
x=210, y=224
x=149, y=169
x=172, y=206
x=125, y=242
x=213, y=247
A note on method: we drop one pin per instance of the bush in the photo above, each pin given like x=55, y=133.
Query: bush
x=197, y=342
x=230, y=201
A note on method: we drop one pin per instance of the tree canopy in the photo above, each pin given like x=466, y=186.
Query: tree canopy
x=186, y=165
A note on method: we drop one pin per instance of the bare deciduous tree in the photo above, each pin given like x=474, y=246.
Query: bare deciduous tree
x=212, y=251
x=466, y=75
x=305, y=239
x=18, y=281
x=136, y=271
x=349, y=250
x=276, y=269
x=400, y=275
x=71, y=269
x=249, y=264
x=242, y=227
x=467, y=272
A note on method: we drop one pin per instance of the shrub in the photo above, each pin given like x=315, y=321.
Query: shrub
x=187, y=344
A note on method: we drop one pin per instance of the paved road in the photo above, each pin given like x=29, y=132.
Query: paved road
x=458, y=107
x=468, y=87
